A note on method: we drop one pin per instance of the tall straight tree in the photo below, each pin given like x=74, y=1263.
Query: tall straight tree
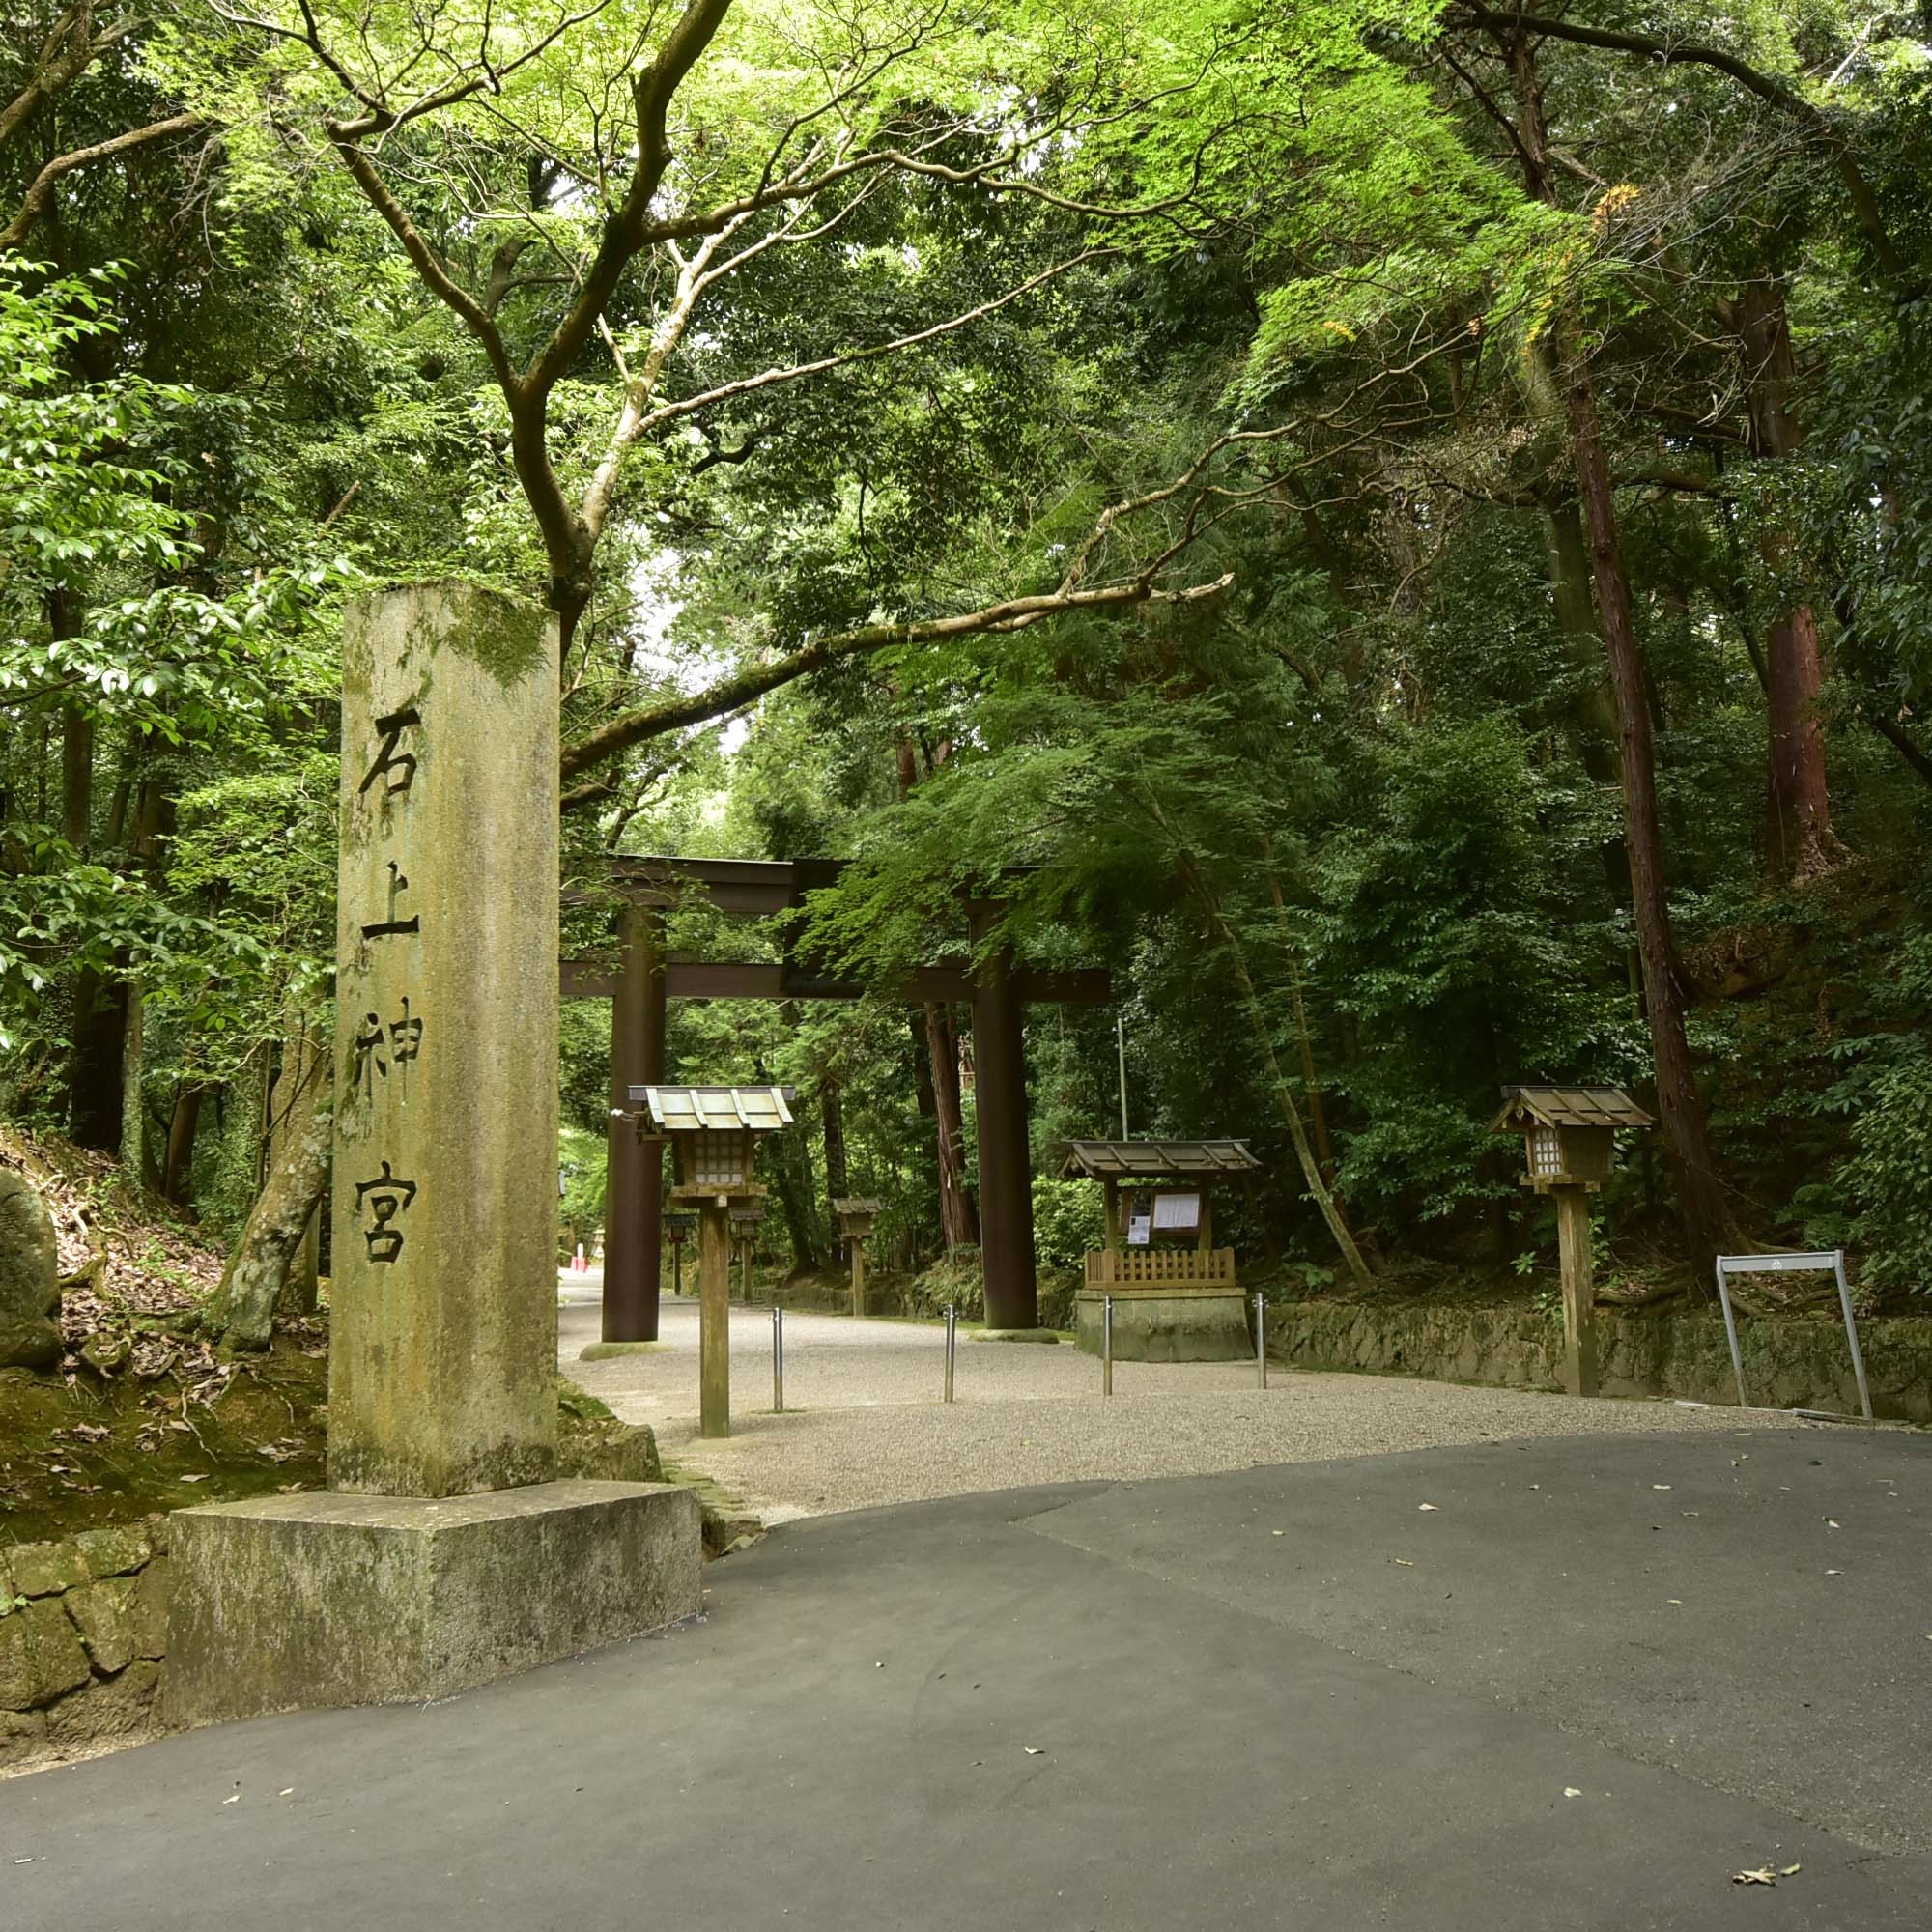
x=1709, y=1223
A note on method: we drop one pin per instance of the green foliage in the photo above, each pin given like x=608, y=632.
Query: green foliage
x=1889, y=1176
x=1347, y=836
x=1068, y=1219
x=579, y=1162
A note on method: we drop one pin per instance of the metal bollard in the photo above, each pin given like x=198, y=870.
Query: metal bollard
x=777, y=1359
x=951, y=1337
x=1261, y=1342
x=1106, y=1345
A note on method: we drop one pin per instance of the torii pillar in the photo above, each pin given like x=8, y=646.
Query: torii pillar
x=1000, y=1108
x=633, y=1169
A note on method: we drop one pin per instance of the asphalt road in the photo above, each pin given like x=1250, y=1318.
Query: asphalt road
x=1136, y=1707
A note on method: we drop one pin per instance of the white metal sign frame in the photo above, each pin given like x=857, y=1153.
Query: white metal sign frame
x=1823, y=1261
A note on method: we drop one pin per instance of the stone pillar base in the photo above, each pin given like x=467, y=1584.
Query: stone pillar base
x=1149, y=1326
x=307, y=1602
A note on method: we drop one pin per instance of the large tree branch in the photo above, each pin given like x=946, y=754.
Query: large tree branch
x=627, y=230
x=733, y=694
x=39, y=190
x=1822, y=130
x=985, y=175
x=1900, y=740
x=428, y=262
x=638, y=388
x=768, y=378
x=70, y=49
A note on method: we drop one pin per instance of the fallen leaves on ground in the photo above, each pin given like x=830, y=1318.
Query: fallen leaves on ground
x=1764, y=1875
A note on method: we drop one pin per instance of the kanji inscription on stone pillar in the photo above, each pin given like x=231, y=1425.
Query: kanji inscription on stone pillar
x=443, y=1300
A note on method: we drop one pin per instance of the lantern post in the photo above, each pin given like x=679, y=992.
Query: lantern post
x=713, y=1134
x=1569, y=1150
x=855, y=1222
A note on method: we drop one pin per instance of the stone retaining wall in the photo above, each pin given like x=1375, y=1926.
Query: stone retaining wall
x=83, y=1628
x=1788, y=1363
x=897, y=1295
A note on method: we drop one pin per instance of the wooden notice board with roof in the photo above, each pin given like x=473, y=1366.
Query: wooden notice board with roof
x=1158, y=1205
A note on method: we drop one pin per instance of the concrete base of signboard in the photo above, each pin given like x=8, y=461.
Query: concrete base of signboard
x=318, y=1601
x=1168, y=1326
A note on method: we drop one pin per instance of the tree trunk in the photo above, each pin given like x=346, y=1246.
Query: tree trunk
x=76, y=778
x=243, y=1309
x=99, y=1006
x=1707, y=1216
x=132, y=1061
x=1311, y=1169
x=1802, y=842
x=1593, y=714
x=959, y=1220
x=791, y=1178
x=305, y=1061
x=177, y=1164
x=94, y=1075
x=1310, y=1085
x=958, y=1217
x=838, y=1183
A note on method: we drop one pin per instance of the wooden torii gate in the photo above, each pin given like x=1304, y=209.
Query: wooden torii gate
x=644, y=980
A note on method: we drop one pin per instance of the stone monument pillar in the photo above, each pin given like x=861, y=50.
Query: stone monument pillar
x=443, y=1296
x=442, y=1553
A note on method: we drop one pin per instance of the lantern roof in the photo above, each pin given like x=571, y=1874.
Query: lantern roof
x=859, y=1204
x=1526, y=1107
x=1151, y=1160
x=690, y=1109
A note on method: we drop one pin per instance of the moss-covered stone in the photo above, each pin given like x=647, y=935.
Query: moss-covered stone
x=150, y=1609
x=1167, y=1328
x=45, y=1569
x=103, y=1613
x=40, y=1657
x=24, y=1736
x=443, y=1311
x=30, y=1335
x=310, y=1601
x=116, y=1552
x=117, y=1710
x=1789, y=1363
x=499, y=634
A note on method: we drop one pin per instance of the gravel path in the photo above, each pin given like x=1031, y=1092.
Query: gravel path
x=864, y=1425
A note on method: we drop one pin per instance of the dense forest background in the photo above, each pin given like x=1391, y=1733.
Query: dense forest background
x=1411, y=519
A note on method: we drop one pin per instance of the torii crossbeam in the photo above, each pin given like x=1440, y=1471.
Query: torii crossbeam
x=644, y=980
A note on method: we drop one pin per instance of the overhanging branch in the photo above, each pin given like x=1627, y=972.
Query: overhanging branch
x=733, y=694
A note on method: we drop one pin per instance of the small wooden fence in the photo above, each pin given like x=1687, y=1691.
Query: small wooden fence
x=1161, y=1267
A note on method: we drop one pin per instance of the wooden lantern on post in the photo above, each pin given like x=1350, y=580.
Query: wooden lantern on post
x=1569, y=1150
x=855, y=1222
x=680, y=1225
x=745, y=1218
x=713, y=1134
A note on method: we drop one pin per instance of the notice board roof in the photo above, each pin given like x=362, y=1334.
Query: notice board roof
x=686, y=1110
x=1149, y=1160
x=1525, y=1107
